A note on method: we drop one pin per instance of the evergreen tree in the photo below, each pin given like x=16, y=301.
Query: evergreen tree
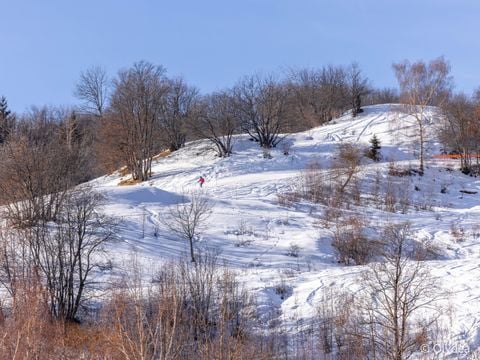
x=7, y=120
x=373, y=152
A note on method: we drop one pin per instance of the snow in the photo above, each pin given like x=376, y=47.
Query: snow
x=253, y=233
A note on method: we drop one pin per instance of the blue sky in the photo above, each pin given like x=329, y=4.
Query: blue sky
x=45, y=44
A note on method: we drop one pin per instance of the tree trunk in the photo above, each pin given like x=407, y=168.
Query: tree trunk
x=422, y=147
x=192, y=254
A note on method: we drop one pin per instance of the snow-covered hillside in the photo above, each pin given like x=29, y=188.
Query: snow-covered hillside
x=254, y=234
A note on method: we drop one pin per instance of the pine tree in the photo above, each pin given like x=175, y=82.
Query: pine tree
x=373, y=152
x=7, y=120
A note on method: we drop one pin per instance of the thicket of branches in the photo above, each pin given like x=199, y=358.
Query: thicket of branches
x=57, y=255
x=459, y=131
x=187, y=311
x=201, y=311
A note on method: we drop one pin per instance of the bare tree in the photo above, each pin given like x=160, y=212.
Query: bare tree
x=39, y=163
x=306, y=100
x=92, y=88
x=261, y=105
x=319, y=95
x=382, y=96
x=179, y=108
x=358, y=88
x=460, y=131
x=81, y=233
x=188, y=219
x=423, y=85
x=137, y=102
x=217, y=122
x=62, y=254
x=199, y=279
x=398, y=290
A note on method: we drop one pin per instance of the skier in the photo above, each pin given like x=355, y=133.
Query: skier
x=201, y=180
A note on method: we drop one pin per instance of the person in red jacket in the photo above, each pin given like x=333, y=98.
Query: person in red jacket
x=201, y=180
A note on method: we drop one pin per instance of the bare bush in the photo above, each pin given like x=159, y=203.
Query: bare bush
x=314, y=183
x=27, y=330
x=143, y=324
x=191, y=311
x=288, y=199
x=351, y=241
x=457, y=232
x=346, y=166
x=293, y=250
x=334, y=336
x=335, y=185
x=400, y=171
x=282, y=289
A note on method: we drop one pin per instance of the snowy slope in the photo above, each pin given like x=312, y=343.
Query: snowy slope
x=253, y=233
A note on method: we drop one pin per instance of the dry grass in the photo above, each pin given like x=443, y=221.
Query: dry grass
x=163, y=154
x=129, y=181
x=123, y=171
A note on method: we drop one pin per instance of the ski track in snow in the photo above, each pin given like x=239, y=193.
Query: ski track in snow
x=368, y=125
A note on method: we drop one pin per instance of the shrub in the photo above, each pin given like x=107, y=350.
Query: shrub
x=293, y=250
x=351, y=242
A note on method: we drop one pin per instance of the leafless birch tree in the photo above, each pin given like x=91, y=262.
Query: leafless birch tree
x=399, y=291
x=423, y=85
